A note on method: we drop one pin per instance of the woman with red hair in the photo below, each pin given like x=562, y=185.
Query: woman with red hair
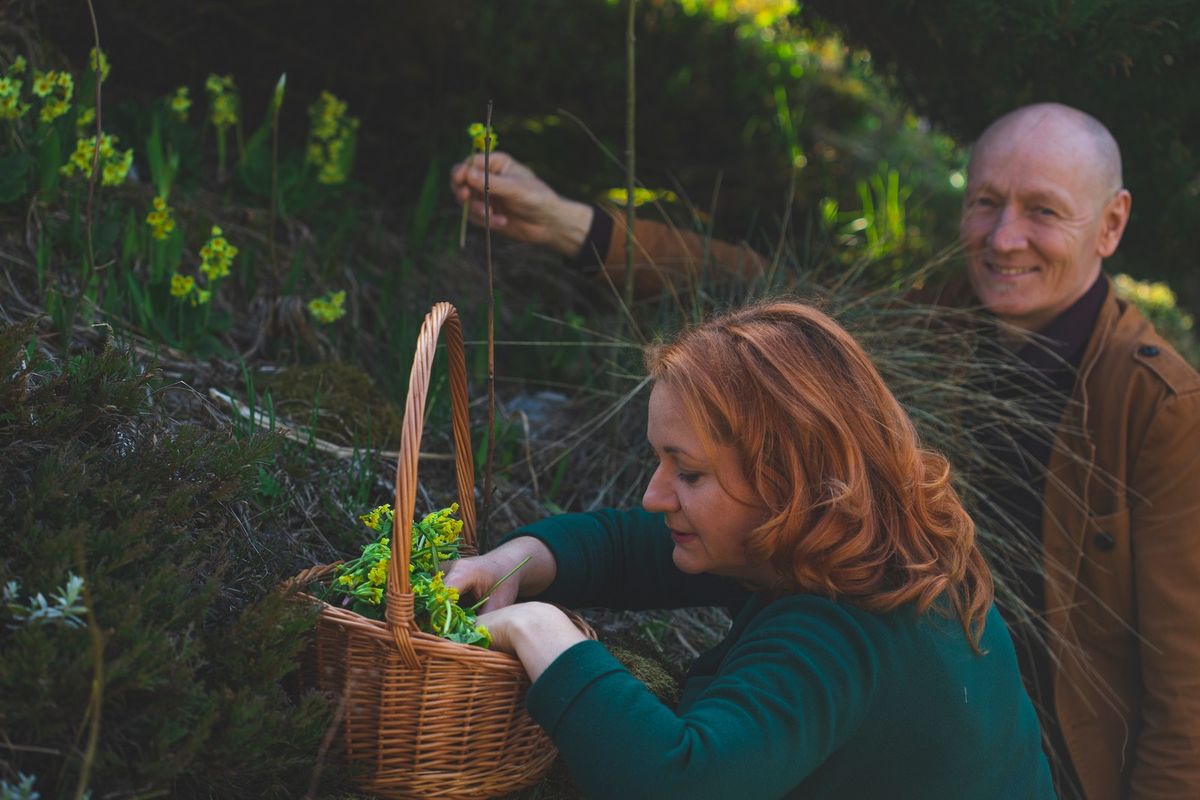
x=865, y=658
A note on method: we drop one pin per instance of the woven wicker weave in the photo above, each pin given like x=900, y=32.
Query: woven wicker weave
x=419, y=716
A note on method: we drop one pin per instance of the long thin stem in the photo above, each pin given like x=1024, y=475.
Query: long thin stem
x=488, y=595
x=630, y=105
x=96, y=699
x=491, y=334
x=87, y=217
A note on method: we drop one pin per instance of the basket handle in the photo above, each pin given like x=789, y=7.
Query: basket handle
x=441, y=318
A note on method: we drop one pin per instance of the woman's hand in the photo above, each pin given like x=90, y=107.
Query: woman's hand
x=536, y=633
x=477, y=576
x=524, y=207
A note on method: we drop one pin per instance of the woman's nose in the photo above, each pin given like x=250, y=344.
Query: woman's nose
x=659, y=498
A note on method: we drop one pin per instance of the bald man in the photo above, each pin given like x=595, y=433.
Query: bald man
x=1112, y=654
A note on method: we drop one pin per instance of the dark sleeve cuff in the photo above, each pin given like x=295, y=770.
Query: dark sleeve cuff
x=567, y=677
x=595, y=246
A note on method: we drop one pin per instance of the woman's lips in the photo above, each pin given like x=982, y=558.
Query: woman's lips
x=679, y=537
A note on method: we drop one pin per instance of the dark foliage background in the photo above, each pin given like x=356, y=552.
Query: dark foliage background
x=1134, y=64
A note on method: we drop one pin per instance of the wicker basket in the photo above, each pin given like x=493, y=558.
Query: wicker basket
x=419, y=716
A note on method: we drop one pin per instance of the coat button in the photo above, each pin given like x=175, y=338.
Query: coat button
x=1104, y=541
x=1148, y=350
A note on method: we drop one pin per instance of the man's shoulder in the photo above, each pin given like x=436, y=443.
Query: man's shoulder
x=1133, y=347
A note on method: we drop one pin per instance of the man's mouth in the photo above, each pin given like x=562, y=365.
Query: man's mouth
x=1008, y=271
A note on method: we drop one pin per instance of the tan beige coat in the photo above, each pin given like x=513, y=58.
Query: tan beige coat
x=1121, y=530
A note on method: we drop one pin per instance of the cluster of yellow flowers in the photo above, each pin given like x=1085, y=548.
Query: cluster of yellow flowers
x=1155, y=299
x=161, y=220
x=114, y=165
x=184, y=285
x=179, y=103
x=376, y=515
x=479, y=136
x=216, y=257
x=330, y=139
x=11, y=82
x=97, y=60
x=54, y=89
x=329, y=308
x=222, y=99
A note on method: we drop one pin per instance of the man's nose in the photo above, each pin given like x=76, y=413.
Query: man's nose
x=1008, y=231
x=659, y=497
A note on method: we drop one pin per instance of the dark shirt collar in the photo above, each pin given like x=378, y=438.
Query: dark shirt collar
x=1062, y=342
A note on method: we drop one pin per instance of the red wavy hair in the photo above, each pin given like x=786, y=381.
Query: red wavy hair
x=858, y=510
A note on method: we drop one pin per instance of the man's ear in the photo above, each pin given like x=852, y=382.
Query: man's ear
x=1113, y=219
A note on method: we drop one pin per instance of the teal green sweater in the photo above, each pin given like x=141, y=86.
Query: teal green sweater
x=806, y=697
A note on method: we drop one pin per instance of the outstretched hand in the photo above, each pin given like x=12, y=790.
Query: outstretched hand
x=524, y=207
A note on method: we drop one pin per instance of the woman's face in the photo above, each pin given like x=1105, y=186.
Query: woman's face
x=710, y=520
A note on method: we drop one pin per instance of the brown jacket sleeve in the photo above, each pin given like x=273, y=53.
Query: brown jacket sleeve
x=673, y=259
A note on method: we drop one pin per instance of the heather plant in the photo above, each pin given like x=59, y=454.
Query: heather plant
x=167, y=631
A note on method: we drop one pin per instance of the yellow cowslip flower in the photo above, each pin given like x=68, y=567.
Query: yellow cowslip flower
x=641, y=196
x=64, y=82
x=97, y=60
x=327, y=309
x=182, y=285
x=378, y=574
x=85, y=118
x=114, y=165
x=330, y=136
x=348, y=580
x=161, y=220
x=478, y=133
x=43, y=83
x=53, y=110
x=222, y=99
x=224, y=111
x=372, y=517
x=217, y=255
x=17, y=67
x=201, y=297
x=180, y=103
x=218, y=84
x=9, y=86
x=11, y=107
x=114, y=171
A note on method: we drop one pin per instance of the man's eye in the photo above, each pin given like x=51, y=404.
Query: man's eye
x=983, y=202
x=1043, y=211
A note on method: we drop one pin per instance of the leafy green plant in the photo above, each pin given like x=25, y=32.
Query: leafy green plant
x=361, y=584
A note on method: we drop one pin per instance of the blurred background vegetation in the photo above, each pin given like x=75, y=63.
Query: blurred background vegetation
x=241, y=300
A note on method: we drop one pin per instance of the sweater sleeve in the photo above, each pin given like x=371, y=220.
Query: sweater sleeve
x=622, y=560
x=792, y=689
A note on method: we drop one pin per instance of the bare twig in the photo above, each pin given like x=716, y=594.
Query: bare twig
x=296, y=435
x=489, y=457
x=630, y=104
x=87, y=218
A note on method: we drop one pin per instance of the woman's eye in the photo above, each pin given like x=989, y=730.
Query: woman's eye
x=689, y=477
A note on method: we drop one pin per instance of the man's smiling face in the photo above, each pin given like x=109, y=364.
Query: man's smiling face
x=1038, y=218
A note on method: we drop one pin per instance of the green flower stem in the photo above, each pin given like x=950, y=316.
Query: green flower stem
x=496, y=585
